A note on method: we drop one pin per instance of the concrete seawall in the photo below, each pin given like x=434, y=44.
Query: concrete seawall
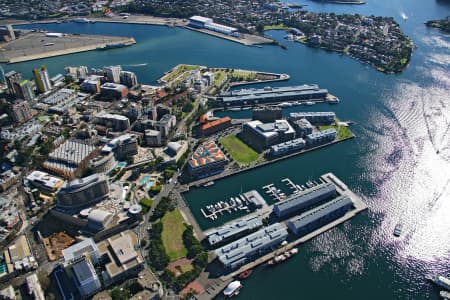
x=200, y=182
x=64, y=51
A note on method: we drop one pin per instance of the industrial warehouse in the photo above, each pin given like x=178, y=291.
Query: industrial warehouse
x=208, y=23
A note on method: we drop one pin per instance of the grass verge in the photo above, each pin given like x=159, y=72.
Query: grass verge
x=172, y=235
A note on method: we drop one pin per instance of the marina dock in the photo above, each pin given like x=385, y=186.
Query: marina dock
x=342, y=189
x=248, y=202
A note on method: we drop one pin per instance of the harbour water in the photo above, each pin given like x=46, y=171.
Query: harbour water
x=399, y=162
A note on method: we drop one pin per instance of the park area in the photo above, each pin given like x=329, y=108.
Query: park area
x=172, y=235
x=238, y=150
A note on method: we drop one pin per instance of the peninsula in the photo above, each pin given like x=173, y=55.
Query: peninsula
x=32, y=45
x=443, y=24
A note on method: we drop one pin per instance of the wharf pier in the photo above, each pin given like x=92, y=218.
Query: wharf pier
x=37, y=45
x=244, y=39
x=342, y=189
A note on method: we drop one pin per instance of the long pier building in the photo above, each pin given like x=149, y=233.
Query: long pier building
x=233, y=230
x=240, y=252
x=307, y=92
x=319, y=216
x=305, y=199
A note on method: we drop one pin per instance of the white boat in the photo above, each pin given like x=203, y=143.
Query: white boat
x=309, y=103
x=444, y=294
x=232, y=289
x=81, y=20
x=285, y=104
x=398, y=230
x=293, y=251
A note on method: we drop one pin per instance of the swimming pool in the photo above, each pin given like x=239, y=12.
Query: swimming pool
x=144, y=179
x=3, y=268
x=121, y=164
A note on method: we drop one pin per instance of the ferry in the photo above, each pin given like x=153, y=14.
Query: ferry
x=209, y=183
x=81, y=20
x=113, y=46
x=398, y=230
x=441, y=281
x=232, y=289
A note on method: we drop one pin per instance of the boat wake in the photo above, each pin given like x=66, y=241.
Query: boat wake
x=136, y=65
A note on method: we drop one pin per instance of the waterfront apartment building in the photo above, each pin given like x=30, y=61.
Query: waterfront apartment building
x=299, y=201
x=91, y=86
x=83, y=192
x=113, y=90
x=128, y=78
x=318, y=117
x=252, y=96
x=240, y=252
x=113, y=73
x=24, y=90
x=42, y=79
x=302, y=127
x=320, y=137
x=261, y=136
x=21, y=111
x=267, y=114
x=287, y=147
x=214, y=126
x=319, y=216
x=76, y=72
x=12, y=78
x=207, y=160
x=233, y=230
x=114, y=121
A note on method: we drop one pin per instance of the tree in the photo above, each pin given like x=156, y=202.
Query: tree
x=119, y=294
x=260, y=28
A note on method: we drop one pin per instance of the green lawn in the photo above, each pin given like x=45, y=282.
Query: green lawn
x=275, y=27
x=219, y=76
x=245, y=75
x=342, y=131
x=146, y=204
x=186, y=267
x=172, y=235
x=238, y=149
x=178, y=71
